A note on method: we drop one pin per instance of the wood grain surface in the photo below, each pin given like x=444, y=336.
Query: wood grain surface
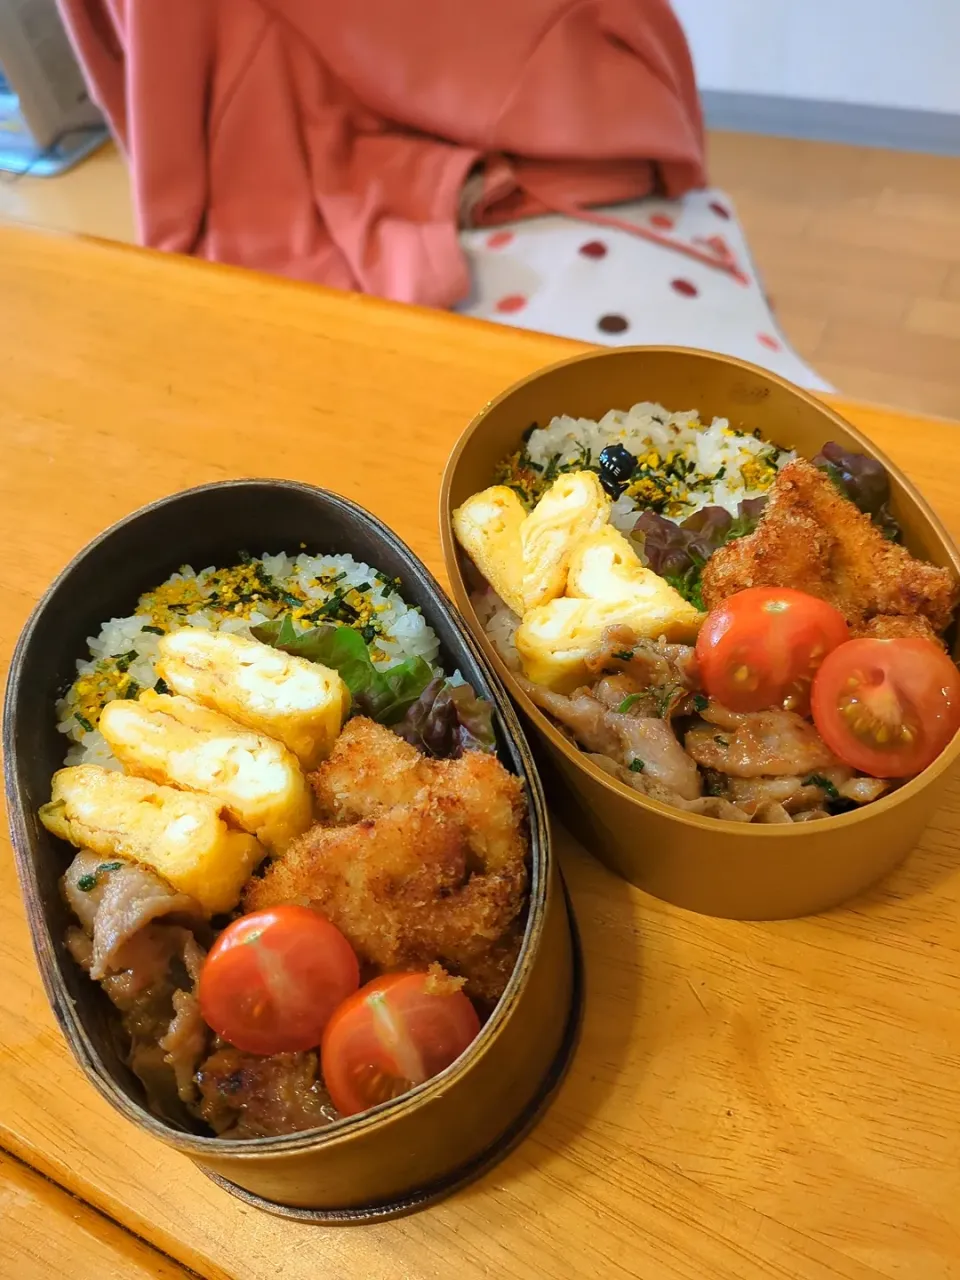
x=46, y=1232
x=749, y=1100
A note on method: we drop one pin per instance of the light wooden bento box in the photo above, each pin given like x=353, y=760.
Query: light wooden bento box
x=402, y=1154
x=745, y=871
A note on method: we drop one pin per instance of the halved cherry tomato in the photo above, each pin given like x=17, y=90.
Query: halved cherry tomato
x=887, y=707
x=761, y=648
x=393, y=1034
x=274, y=977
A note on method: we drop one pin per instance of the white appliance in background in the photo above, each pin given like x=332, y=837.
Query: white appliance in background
x=47, y=119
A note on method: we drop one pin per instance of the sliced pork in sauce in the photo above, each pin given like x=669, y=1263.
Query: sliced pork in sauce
x=764, y=798
x=614, y=690
x=706, y=806
x=650, y=663
x=644, y=744
x=136, y=930
x=864, y=790
x=653, y=746
x=185, y=1041
x=773, y=813
x=790, y=793
x=114, y=900
x=136, y=936
x=246, y=1096
x=668, y=741
x=757, y=744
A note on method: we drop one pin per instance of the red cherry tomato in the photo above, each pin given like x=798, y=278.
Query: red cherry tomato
x=761, y=648
x=391, y=1035
x=887, y=707
x=273, y=978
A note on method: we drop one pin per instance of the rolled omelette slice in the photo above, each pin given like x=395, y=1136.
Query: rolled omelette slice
x=573, y=506
x=487, y=526
x=182, y=836
x=605, y=566
x=173, y=741
x=302, y=704
x=555, y=640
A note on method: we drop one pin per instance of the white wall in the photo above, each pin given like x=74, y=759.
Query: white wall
x=893, y=53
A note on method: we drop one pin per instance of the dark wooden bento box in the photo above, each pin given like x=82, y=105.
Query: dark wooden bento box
x=402, y=1154
x=746, y=871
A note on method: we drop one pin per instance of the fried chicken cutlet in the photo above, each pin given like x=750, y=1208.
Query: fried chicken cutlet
x=812, y=538
x=886, y=626
x=426, y=862
x=371, y=770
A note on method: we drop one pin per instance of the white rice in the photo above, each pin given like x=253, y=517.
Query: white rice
x=404, y=633
x=718, y=449
x=500, y=623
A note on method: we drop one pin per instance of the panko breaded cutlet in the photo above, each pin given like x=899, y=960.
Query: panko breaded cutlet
x=370, y=770
x=426, y=860
x=812, y=538
x=888, y=626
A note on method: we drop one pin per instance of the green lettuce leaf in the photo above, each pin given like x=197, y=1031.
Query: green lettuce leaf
x=384, y=696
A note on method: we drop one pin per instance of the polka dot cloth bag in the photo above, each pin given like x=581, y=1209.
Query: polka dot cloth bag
x=693, y=286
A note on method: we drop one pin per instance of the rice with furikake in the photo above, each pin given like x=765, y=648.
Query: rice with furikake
x=680, y=489
x=331, y=608
x=677, y=465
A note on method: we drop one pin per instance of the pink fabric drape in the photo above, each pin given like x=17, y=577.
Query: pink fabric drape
x=331, y=141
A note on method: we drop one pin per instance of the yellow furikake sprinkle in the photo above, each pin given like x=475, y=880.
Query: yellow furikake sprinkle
x=667, y=478
x=167, y=605
x=757, y=472
x=649, y=491
x=109, y=679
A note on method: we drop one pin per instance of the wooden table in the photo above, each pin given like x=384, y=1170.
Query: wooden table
x=749, y=1100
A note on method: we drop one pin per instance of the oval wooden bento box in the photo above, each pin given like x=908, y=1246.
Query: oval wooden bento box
x=718, y=868
x=402, y=1154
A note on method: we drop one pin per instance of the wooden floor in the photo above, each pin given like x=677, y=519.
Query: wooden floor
x=860, y=253
x=859, y=249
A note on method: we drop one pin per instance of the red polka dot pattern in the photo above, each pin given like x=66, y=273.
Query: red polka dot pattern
x=662, y=221
x=500, y=239
x=685, y=287
x=593, y=249
x=613, y=324
x=719, y=210
x=768, y=341
x=511, y=303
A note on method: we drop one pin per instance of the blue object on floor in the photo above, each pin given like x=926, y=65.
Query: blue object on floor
x=19, y=153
